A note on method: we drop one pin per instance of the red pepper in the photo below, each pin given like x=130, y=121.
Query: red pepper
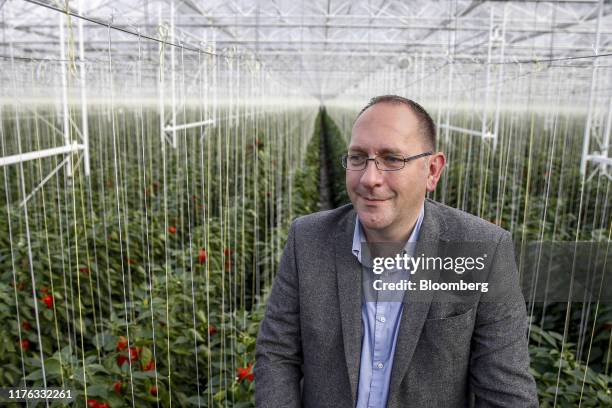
x=211, y=329
x=122, y=343
x=245, y=372
x=48, y=300
x=153, y=391
x=133, y=351
x=24, y=344
x=118, y=386
x=150, y=366
x=121, y=360
x=201, y=256
x=172, y=229
x=26, y=325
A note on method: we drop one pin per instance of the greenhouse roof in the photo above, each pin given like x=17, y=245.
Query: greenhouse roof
x=324, y=48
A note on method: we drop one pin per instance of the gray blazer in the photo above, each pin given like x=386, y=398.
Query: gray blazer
x=448, y=354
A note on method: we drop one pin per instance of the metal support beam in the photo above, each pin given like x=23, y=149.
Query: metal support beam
x=64, y=73
x=500, y=77
x=606, y=139
x=189, y=126
x=84, y=123
x=601, y=159
x=39, y=154
x=173, y=71
x=484, y=135
x=587, y=130
x=485, y=107
x=161, y=82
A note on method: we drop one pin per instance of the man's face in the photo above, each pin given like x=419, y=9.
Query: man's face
x=387, y=201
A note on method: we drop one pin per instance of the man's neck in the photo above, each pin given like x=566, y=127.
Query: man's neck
x=395, y=233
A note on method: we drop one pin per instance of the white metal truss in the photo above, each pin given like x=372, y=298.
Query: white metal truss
x=70, y=146
x=317, y=37
x=594, y=128
x=489, y=122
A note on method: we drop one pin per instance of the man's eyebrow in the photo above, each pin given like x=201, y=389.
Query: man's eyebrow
x=385, y=150
x=389, y=150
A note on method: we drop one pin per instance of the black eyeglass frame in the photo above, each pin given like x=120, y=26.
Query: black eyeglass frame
x=365, y=165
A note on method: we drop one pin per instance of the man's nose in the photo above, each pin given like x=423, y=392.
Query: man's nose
x=371, y=176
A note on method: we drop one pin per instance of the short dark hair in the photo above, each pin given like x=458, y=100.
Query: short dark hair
x=427, y=125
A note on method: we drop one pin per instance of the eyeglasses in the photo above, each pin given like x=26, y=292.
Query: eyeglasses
x=385, y=162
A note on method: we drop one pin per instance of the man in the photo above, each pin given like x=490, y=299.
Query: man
x=323, y=343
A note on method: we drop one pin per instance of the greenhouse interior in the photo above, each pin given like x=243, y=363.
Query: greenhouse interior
x=155, y=154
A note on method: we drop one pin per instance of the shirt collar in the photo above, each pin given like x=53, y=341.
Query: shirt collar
x=359, y=236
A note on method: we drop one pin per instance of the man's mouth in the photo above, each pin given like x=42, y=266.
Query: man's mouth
x=373, y=199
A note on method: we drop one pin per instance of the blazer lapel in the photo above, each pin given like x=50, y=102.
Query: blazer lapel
x=348, y=273
x=416, y=304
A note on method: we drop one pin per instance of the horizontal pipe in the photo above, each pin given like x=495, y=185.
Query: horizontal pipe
x=19, y=158
x=189, y=125
x=469, y=131
x=597, y=158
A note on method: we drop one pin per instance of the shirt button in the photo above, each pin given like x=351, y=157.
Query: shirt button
x=380, y=365
x=382, y=319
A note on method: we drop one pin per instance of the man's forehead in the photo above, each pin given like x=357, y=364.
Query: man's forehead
x=391, y=135
x=383, y=118
x=383, y=132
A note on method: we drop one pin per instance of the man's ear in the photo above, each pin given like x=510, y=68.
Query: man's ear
x=436, y=165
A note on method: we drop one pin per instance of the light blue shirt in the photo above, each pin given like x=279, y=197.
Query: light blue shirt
x=381, y=322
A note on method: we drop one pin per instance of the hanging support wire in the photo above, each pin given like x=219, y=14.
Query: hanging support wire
x=168, y=130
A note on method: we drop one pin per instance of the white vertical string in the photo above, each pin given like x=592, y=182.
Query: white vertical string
x=27, y=231
x=117, y=195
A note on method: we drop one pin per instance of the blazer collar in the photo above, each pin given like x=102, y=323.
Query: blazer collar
x=348, y=271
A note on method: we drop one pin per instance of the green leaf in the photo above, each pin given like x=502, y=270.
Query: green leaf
x=35, y=375
x=143, y=374
x=97, y=390
x=53, y=367
x=96, y=368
